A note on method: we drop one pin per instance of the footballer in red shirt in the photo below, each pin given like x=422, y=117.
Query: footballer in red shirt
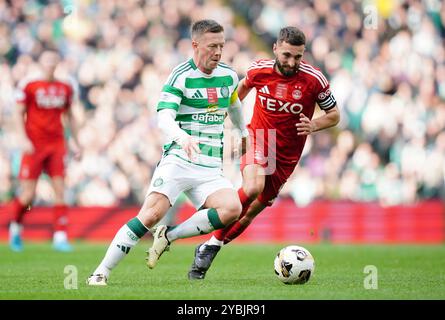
x=41, y=103
x=287, y=90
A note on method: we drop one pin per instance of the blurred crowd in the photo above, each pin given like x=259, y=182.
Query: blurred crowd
x=385, y=61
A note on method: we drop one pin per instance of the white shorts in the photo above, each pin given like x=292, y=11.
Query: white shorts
x=173, y=176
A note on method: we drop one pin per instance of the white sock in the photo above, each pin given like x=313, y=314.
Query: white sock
x=214, y=242
x=125, y=239
x=15, y=228
x=201, y=222
x=60, y=236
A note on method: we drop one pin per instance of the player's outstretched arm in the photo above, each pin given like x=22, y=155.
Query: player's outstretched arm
x=237, y=118
x=243, y=89
x=306, y=126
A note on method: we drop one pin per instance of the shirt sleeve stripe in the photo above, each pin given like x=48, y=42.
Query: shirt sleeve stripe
x=177, y=92
x=167, y=105
x=311, y=68
x=304, y=69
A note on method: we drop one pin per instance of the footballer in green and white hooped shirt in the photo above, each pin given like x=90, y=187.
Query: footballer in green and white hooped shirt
x=200, y=102
x=191, y=110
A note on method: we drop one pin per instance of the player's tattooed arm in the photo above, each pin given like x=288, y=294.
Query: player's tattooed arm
x=306, y=126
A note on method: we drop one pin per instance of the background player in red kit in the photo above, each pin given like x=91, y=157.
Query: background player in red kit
x=41, y=102
x=287, y=90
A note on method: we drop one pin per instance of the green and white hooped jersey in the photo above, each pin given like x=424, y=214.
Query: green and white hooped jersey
x=201, y=103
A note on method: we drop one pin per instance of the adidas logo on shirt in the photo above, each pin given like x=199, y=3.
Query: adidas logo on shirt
x=265, y=90
x=197, y=95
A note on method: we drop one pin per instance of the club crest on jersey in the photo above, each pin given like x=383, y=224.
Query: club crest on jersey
x=158, y=182
x=224, y=92
x=296, y=94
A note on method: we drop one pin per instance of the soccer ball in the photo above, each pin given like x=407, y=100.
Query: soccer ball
x=294, y=265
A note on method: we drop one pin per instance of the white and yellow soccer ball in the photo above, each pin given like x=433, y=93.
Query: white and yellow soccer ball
x=294, y=265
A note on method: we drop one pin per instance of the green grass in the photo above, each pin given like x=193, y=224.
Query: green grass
x=239, y=272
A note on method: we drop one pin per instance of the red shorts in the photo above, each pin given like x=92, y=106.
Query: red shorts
x=48, y=158
x=276, y=174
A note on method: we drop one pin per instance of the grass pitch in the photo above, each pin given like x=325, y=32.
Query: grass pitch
x=239, y=272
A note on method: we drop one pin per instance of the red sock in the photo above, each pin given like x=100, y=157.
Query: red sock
x=60, y=218
x=17, y=210
x=234, y=232
x=245, y=202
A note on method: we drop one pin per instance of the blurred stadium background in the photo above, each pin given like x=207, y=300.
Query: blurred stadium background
x=377, y=177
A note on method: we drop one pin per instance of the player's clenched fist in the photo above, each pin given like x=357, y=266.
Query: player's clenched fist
x=305, y=126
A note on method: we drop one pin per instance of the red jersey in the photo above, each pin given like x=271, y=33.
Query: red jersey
x=45, y=101
x=279, y=102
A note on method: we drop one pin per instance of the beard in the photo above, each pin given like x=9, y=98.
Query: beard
x=287, y=72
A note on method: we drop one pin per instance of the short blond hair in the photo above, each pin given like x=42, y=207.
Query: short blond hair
x=203, y=26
